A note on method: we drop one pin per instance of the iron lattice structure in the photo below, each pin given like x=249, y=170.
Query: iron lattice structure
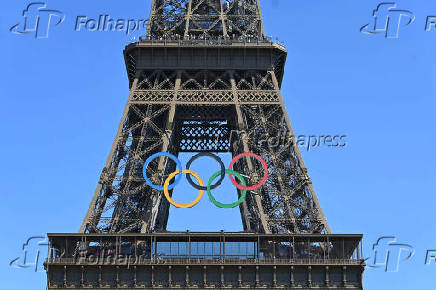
x=205, y=79
x=205, y=18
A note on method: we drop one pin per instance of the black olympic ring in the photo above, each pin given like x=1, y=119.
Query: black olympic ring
x=206, y=154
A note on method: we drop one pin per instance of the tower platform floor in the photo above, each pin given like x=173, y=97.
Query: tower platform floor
x=204, y=261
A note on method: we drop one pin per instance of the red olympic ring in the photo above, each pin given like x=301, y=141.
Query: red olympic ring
x=265, y=166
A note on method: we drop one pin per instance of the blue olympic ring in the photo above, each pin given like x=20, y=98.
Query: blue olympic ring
x=179, y=166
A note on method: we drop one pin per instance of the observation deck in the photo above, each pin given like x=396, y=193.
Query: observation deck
x=204, y=261
x=212, y=53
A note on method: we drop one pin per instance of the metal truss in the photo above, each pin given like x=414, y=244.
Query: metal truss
x=204, y=99
x=204, y=111
x=205, y=18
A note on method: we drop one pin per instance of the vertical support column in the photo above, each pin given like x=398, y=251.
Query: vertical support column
x=275, y=276
x=274, y=250
x=309, y=276
x=281, y=188
x=118, y=276
x=327, y=276
x=95, y=216
x=344, y=276
x=223, y=257
x=308, y=248
x=99, y=277
x=292, y=281
x=187, y=18
x=293, y=247
x=152, y=11
x=321, y=216
x=160, y=206
x=358, y=250
x=67, y=250
x=152, y=249
x=259, y=18
x=324, y=245
x=170, y=278
x=241, y=128
x=204, y=276
x=223, y=19
x=135, y=276
x=153, y=281
x=189, y=248
x=239, y=276
x=223, y=282
x=82, y=278
x=257, y=277
x=49, y=276
x=188, y=281
x=343, y=248
x=65, y=277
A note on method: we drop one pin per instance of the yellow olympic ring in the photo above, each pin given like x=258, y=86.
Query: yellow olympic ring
x=179, y=205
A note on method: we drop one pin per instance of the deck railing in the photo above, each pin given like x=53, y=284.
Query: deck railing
x=162, y=261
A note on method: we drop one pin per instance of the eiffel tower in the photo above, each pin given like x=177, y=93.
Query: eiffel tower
x=204, y=78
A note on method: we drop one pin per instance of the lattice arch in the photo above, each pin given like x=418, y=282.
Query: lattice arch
x=254, y=80
x=205, y=80
x=157, y=80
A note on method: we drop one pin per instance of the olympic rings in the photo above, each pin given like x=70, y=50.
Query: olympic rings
x=222, y=205
x=179, y=205
x=178, y=175
x=265, y=166
x=179, y=166
x=223, y=170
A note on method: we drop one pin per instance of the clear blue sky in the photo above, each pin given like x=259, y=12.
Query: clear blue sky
x=62, y=99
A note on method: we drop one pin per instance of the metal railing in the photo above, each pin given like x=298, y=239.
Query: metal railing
x=174, y=261
x=207, y=41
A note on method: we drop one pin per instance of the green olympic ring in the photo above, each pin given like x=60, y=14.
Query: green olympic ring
x=223, y=205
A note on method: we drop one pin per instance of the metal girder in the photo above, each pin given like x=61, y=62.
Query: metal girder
x=213, y=108
x=205, y=18
x=215, y=119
